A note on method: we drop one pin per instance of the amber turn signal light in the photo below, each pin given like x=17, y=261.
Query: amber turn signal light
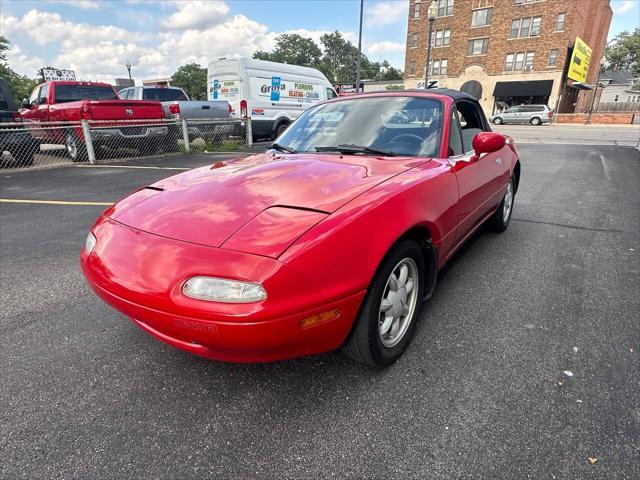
x=319, y=319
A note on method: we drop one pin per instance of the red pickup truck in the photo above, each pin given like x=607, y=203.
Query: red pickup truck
x=71, y=102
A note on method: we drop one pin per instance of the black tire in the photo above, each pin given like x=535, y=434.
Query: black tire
x=497, y=221
x=24, y=156
x=281, y=129
x=498, y=121
x=76, y=148
x=170, y=142
x=364, y=343
x=535, y=121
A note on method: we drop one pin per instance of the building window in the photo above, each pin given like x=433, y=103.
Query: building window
x=535, y=26
x=438, y=67
x=528, y=63
x=414, y=40
x=553, y=57
x=441, y=38
x=445, y=7
x=412, y=69
x=560, y=22
x=525, y=27
x=478, y=46
x=481, y=17
x=416, y=10
x=508, y=64
x=519, y=61
x=515, y=28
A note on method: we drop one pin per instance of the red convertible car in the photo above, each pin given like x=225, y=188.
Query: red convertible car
x=332, y=238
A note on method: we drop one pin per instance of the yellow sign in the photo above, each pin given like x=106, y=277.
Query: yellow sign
x=580, y=59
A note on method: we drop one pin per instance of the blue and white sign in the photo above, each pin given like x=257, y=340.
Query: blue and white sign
x=275, y=89
x=216, y=86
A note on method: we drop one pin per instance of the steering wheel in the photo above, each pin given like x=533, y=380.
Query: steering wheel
x=408, y=136
x=408, y=143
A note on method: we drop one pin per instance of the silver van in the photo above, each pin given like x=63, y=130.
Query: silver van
x=533, y=114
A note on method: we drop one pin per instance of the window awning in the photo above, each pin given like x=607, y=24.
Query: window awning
x=529, y=88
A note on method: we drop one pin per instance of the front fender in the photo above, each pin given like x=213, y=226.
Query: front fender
x=341, y=254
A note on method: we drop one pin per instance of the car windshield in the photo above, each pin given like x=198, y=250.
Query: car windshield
x=74, y=93
x=163, y=94
x=405, y=126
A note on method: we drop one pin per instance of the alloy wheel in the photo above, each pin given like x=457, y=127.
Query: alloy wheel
x=508, y=203
x=70, y=145
x=399, y=300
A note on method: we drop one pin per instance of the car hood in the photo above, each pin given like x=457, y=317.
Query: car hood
x=207, y=205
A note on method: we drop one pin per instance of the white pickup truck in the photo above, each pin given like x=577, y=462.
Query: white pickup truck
x=177, y=104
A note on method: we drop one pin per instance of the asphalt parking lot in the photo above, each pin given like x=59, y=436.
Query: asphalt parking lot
x=526, y=362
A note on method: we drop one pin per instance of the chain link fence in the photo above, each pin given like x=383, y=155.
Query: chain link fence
x=47, y=144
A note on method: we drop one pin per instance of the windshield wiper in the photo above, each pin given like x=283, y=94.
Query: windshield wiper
x=283, y=148
x=344, y=148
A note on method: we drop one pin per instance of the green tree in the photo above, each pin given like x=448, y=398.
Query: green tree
x=380, y=71
x=192, y=78
x=293, y=49
x=338, y=60
x=624, y=52
x=20, y=85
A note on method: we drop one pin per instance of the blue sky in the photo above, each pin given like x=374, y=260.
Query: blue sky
x=97, y=37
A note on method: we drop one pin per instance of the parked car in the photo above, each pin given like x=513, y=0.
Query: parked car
x=14, y=138
x=331, y=238
x=70, y=102
x=533, y=114
x=176, y=104
x=272, y=94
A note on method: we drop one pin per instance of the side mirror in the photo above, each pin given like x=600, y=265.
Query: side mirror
x=487, y=142
x=25, y=103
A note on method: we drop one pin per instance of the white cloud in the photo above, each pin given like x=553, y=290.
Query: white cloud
x=46, y=28
x=29, y=64
x=624, y=7
x=82, y=4
x=387, y=13
x=99, y=52
x=238, y=36
x=384, y=47
x=197, y=15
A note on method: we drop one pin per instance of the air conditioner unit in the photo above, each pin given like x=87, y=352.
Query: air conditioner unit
x=528, y=68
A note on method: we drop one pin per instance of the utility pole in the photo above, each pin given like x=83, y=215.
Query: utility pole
x=359, y=48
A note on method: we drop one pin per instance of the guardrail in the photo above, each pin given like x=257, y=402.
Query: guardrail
x=53, y=143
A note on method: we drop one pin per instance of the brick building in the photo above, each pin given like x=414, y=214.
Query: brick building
x=514, y=51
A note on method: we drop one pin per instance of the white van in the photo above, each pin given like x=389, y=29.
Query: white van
x=273, y=94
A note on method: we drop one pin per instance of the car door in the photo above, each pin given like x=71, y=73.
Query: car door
x=480, y=179
x=29, y=113
x=41, y=111
x=514, y=114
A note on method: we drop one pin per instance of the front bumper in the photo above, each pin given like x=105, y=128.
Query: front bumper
x=242, y=342
x=141, y=275
x=129, y=133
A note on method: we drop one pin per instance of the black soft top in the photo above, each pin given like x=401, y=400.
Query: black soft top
x=449, y=92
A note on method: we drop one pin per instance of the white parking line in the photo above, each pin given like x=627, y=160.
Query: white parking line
x=141, y=167
x=55, y=202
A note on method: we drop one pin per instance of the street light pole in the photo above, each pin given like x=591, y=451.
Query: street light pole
x=359, y=48
x=128, y=65
x=432, y=12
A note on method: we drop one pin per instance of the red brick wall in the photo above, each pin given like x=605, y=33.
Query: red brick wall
x=589, y=19
x=597, y=118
